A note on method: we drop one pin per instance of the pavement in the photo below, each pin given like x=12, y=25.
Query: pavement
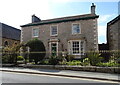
x=65, y=73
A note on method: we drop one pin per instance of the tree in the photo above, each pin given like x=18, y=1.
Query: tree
x=10, y=54
x=37, y=50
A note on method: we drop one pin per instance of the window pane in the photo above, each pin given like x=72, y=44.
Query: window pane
x=75, y=47
x=35, y=32
x=54, y=30
x=76, y=28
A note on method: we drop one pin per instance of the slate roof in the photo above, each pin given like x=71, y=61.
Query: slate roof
x=10, y=32
x=63, y=19
x=114, y=20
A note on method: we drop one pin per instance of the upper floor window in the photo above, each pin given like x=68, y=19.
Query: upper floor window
x=75, y=28
x=35, y=32
x=54, y=30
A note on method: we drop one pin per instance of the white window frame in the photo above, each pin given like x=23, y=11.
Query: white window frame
x=70, y=47
x=83, y=47
x=79, y=28
x=33, y=32
x=51, y=30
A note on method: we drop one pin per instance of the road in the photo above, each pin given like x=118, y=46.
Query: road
x=11, y=77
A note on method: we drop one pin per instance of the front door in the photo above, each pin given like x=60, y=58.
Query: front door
x=54, y=48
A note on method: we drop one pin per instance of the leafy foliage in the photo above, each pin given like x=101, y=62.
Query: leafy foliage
x=86, y=62
x=44, y=62
x=37, y=50
x=94, y=58
x=74, y=62
x=69, y=57
x=115, y=57
x=109, y=64
x=19, y=58
x=54, y=60
x=10, y=54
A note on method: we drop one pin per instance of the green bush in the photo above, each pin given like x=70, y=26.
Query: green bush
x=74, y=62
x=20, y=58
x=37, y=50
x=10, y=53
x=108, y=64
x=54, y=60
x=94, y=58
x=114, y=56
x=86, y=62
x=113, y=61
x=5, y=58
x=69, y=57
x=63, y=63
x=44, y=62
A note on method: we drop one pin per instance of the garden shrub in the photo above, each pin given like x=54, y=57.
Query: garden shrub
x=44, y=62
x=115, y=56
x=37, y=50
x=5, y=58
x=20, y=58
x=113, y=61
x=108, y=64
x=94, y=58
x=69, y=57
x=54, y=60
x=74, y=62
x=9, y=54
x=85, y=62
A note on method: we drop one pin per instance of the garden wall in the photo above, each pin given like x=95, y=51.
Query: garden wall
x=77, y=68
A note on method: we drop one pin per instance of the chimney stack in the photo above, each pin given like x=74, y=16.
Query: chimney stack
x=35, y=19
x=93, y=8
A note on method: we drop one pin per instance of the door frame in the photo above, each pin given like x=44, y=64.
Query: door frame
x=50, y=44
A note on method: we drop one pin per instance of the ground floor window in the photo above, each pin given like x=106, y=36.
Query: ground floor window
x=76, y=47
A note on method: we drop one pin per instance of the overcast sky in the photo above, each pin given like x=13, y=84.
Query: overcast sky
x=19, y=12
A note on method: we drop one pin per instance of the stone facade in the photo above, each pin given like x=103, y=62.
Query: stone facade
x=113, y=33
x=9, y=35
x=88, y=35
x=11, y=42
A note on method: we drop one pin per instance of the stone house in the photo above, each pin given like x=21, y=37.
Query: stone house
x=73, y=34
x=113, y=33
x=9, y=35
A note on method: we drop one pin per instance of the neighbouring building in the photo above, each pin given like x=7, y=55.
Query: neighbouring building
x=9, y=35
x=74, y=34
x=113, y=33
x=104, y=51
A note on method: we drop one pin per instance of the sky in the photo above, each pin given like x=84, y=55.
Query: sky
x=19, y=12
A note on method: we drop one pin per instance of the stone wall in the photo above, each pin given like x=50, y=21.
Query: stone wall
x=77, y=68
x=10, y=41
x=89, y=33
x=66, y=67
x=113, y=36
